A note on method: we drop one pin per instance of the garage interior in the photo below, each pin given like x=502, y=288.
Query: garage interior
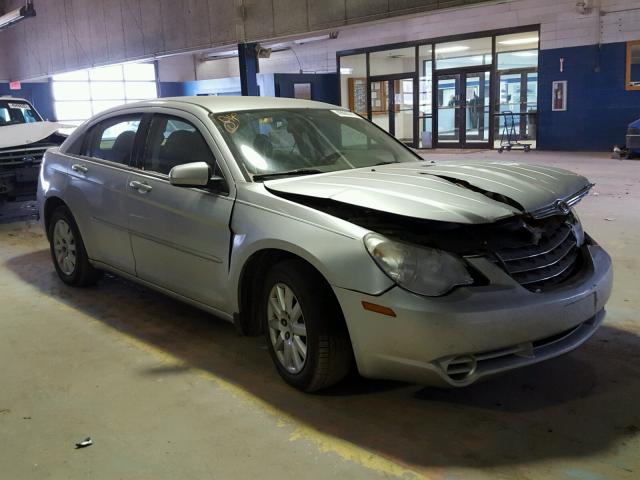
x=167, y=391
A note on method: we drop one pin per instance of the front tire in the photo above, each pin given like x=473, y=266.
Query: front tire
x=67, y=250
x=304, y=327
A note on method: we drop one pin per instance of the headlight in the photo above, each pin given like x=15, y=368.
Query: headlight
x=576, y=226
x=420, y=270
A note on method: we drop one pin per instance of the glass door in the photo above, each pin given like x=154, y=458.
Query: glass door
x=518, y=93
x=448, y=110
x=392, y=106
x=463, y=109
x=476, y=109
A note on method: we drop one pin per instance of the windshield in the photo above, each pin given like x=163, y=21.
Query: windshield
x=279, y=142
x=17, y=111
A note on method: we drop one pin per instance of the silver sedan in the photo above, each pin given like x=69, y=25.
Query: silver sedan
x=308, y=224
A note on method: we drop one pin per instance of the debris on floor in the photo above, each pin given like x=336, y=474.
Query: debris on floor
x=84, y=443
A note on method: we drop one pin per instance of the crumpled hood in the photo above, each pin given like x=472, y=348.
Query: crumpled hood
x=451, y=191
x=25, y=133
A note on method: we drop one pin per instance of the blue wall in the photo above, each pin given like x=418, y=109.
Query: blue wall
x=38, y=93
x=598, y=109
x=324, y=86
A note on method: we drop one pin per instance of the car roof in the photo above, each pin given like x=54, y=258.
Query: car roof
x=217, y=104
x=9, y=97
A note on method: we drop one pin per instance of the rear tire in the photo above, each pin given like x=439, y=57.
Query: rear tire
x=67, y=250
x=299, y=310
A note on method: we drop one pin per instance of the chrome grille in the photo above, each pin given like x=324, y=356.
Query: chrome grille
x=541, y=266
x=15, y=157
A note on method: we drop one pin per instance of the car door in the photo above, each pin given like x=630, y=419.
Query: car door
x=180, y=236
x=96, y=194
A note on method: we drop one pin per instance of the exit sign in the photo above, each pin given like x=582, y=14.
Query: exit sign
x=14, y=86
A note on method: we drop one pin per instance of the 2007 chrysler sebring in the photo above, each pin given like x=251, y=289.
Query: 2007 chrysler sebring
x=308, y=223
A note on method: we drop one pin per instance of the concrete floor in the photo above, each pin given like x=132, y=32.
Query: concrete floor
x=166, y=391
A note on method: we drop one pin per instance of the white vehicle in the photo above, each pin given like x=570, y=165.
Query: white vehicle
x=24, y=137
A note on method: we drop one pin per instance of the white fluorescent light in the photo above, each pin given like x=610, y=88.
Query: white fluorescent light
x=454, y=48
x=302, y=41
x=14, y=16
x=346, y=70
x=525, y=54
x=519, y=41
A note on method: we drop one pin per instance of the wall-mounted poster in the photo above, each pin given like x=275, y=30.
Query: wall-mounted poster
x=302, y=91
x=559, y=90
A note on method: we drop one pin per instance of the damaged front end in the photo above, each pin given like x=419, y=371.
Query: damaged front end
x=20, y=165
x=518, y=217
x=538, y=253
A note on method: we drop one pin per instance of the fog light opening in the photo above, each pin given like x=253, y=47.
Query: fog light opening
x=461, y=367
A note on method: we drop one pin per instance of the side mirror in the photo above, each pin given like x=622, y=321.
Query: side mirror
x=195, y=174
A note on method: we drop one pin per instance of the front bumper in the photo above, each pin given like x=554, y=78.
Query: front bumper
x=633, y=142
x=475, y=331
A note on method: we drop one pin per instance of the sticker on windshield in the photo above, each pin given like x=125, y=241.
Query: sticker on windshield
x=230, y=122
x=345, y=113
x=18, y=105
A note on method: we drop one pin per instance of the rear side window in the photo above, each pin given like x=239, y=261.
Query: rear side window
x=173, y=141
x=113, y=139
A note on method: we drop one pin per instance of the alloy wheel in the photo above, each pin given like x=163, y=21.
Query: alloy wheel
x=287, y=329
x=64, y=247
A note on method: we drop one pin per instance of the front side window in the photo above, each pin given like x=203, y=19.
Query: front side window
x=113, y=139
x=274, y=142
x=173, y=141
x=13, y=112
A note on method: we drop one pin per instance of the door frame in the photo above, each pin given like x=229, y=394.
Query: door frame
x=392, y=79
x=461, y=113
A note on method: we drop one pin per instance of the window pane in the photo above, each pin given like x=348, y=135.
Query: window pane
x=113, y=139
x=172, y=142
x=73, y=110
x=141, y=90
x=72, y=76
x=400, y=60
x=464, y=53
x=101, y=106
x=517, y=42
x=522, y=59
x=112, y=73
x=353, y=83
x=107, y=90
x=71, y=90
x=140, y=71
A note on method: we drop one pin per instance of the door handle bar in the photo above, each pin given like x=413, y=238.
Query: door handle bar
x=140, y=187
x=76, y=167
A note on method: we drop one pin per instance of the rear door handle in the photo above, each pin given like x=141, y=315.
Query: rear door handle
x=140, y=187
x=76, y=167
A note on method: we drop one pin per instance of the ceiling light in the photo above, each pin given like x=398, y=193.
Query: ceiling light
x=14, y=16
x=453, y=48
x=525, y=54
x=328, y=36
x=519, y=41
x=346, y=70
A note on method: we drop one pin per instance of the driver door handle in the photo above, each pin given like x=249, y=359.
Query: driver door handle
x=140, y=187
x=76, y=167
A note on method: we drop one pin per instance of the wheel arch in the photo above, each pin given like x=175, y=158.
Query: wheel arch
x=50, y=205
x=250, y=282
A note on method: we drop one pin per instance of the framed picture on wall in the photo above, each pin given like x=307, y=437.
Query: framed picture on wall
x=302, y=91
x=559, y=92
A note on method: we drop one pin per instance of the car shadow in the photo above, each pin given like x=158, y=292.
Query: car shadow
x=574, y=406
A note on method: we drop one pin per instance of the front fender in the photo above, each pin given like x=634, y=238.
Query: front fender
x=339, y=256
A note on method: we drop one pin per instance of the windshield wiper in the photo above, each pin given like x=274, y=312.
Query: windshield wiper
x=286, y=173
